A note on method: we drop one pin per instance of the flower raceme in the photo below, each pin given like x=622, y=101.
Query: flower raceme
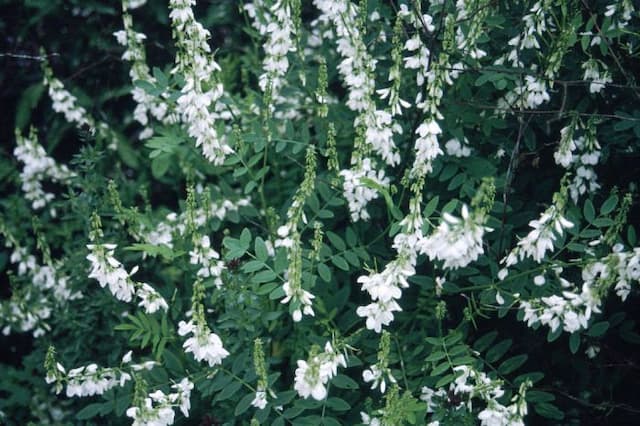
x=203, y=344
x=109, y=272
x=457, y=241
x=313, y=375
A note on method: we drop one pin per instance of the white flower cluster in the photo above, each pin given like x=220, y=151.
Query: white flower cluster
x=358, y=194
x=157, y=408
x=385, y=288
x=534, y=23
x=208, y=260
x=455, y=148
x=419, y=60
x=597, y=72
x=64, y=102
x=457, y=241
x=531, y=94
x=313, y=375
x=622, y=10
x=29, y=309
x=92, y=380
x=108, y=271
x=284, y=105
x=260, y=400
x=280, y=41
x=38, y=166
x=300, y=299
x=358, y=72
x=564, y=155
x=474, y=15
x=574, y=308
x=471, y=384
x=378, y=377
x=585, y=179
x=146, y=103
x=581, y=154
x=195, y=61
x=540, y=239
x=204, y=344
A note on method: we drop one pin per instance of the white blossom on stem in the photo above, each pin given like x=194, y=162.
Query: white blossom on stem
x=203, y=344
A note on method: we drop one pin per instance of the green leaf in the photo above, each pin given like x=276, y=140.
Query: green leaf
x=549, y=411
x=553, y=335
x=463, y=360
x=338, y=404
x=485, y=341
x=340, y=262
x=440, y=369
x=496, y=352
x=172, y=361
x=512, y=364
x=244, y=404
x=435, y=356
x=277, y=293
x=264, y=277
x=336, y=241
x=253, y=266
x=344, y=382
x=245, y=237
x=445, y=380
x=325, y=272
x=235, y=248
x=609, y=205
x=266, y=289
x=90, y=411
x=598, y=329
x=574, y=342
x=293, y=412
x=261, y=249
x=588, y=211
x=160, y=165
x=539, y=396
x=228, y=391
x=329, y=421
x=431, y=206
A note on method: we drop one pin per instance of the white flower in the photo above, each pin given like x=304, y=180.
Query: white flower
x=109, y=272
x=358, y=194
x=377, y=377
x=312, y=376
x=260, y=400
x=205, y=345
x=496, y=415
x=309, y=382
x=300, y=296
x=456, y=241
x=457, y=149
x=378, y=314
x=151, y=300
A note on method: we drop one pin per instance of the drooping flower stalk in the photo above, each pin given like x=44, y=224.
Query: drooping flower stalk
x=201, y=91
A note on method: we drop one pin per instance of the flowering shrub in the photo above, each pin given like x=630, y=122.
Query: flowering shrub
x=340, y=212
